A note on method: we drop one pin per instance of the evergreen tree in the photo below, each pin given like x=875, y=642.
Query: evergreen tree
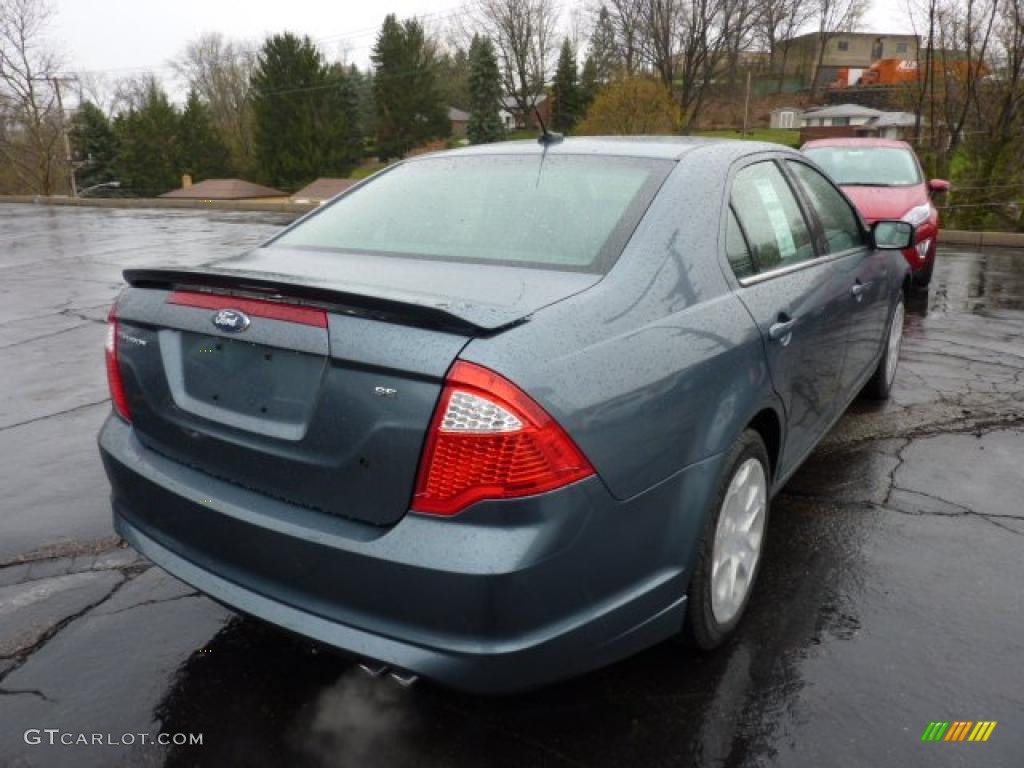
x=589, y=84
x=453, y=78
x=203, y=154
x=341, y=123
x=148, y=144
x=363, y=84
x=93, y=145
x=305, y=124
x=484, y=93
x=410, y=104
x=566, y=90
x=604, y=52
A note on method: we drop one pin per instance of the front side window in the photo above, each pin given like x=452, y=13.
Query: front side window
x=868, y=166
x=776, y=231
x=842, y=228
x=561, y=212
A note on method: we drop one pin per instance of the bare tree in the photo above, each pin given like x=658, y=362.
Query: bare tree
x=524, y=32
x=925, y=82
x=975, y=27
x=31, y=132
x=685, y=43
x=1009, y=123
x=776, y=23
x=739, y=18
x=661, y=38
x=129, y=92
x=833, y=18
x=219, y=69
x=627, y=21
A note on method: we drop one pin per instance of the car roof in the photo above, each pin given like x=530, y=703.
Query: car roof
x=856, y=142
x=666, y=147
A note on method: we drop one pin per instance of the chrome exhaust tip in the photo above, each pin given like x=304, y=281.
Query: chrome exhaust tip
x=404, y=679
x=373, y=668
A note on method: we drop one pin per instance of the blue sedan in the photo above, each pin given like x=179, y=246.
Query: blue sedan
x=502, y=415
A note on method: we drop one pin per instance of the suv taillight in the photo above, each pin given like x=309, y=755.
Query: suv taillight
x=489, y=440
x=114, y=378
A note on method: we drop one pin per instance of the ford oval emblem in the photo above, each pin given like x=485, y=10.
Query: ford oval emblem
x=231, y=320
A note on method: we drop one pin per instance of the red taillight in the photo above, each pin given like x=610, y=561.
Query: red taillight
x=489, y=440
x=117, y=393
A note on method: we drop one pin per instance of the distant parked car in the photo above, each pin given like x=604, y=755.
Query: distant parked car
x=502, y=415
x=884, y=179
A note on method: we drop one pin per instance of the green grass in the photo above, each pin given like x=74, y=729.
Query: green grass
x=785, y=136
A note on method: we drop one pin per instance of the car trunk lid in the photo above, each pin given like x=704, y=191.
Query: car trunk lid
x=323, y=399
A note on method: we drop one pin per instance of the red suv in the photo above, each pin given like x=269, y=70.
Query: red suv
x=884, y=180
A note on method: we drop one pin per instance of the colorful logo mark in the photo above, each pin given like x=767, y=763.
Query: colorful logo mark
x=958, y=730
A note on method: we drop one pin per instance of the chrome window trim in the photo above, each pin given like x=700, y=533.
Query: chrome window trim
x=760, y=277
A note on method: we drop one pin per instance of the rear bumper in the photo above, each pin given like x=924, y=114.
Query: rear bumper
x=507, y=596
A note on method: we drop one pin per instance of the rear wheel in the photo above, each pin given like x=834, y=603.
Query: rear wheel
x=730, y=554
x=880, y=385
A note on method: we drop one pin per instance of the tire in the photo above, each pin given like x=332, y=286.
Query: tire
x=879, y=386
x=923, y=278
x=712, y=616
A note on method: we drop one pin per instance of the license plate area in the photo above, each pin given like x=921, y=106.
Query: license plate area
x=255, y=387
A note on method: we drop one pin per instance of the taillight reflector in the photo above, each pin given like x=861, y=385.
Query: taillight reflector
x=489, y=440
x=118, y=397
x=273, y=310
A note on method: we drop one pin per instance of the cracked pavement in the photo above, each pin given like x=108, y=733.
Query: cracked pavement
x=892, y=592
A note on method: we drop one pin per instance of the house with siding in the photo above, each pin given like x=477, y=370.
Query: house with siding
x=851, y=50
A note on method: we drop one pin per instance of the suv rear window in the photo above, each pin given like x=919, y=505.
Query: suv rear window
x=564, y=212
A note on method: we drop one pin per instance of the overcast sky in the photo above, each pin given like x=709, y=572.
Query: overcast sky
x=118, y=37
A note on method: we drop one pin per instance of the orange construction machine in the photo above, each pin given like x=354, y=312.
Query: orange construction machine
x=899, y=71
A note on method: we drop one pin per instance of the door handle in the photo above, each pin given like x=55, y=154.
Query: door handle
x=782, y=330
x=858, y=289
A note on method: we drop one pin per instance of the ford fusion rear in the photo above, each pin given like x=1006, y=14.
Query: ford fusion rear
x=504, y=415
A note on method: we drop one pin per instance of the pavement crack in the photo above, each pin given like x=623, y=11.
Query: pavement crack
x=25, y=654
x=64, y=412
x=25, y=692
x=156, y=601
x=981, y=425
x=959, y=510
x=63, y=551
x=82, y=316
x=891, y=478
x=43, y=336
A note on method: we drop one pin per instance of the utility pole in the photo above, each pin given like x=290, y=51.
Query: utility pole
x=64, y=133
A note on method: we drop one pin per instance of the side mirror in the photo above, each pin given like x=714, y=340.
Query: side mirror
x=892, y=235
x=937, y=186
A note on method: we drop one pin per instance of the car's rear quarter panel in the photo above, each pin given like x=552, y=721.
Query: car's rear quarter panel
x=658, y=366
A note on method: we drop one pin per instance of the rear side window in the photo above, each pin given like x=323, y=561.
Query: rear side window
x=736, y=248
x=564, y=212
x=775, y=226
x=842, y=229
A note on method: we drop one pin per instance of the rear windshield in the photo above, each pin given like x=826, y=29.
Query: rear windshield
x=868, y=166
x=566, y=212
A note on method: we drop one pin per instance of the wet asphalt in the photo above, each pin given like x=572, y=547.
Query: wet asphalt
x=892, y=593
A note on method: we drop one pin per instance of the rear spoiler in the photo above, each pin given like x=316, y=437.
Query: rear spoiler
x=381, y=308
